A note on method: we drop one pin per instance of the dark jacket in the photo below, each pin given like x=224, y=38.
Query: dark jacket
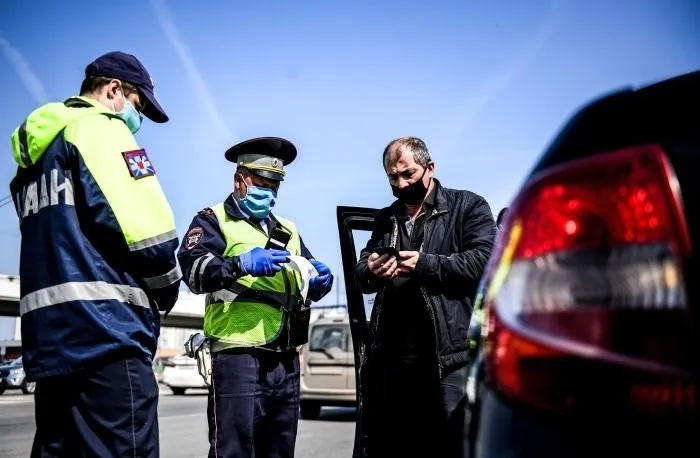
x=98, y=248
x=459, y=235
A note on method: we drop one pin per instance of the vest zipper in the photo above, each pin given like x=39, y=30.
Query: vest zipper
x=288, y=317
x=287, y=314
x=285, y=311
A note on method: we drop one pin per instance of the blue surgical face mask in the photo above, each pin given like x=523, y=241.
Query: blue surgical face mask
x=258, y=201
x=130, y=115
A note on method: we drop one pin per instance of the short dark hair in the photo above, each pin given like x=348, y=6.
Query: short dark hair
x=93, y=84
x=396, y=147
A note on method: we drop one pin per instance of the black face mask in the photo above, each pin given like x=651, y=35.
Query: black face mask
x=412, y=194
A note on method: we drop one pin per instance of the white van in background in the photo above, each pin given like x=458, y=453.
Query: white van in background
x=327, y=366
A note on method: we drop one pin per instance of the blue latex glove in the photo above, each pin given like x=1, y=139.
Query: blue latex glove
x=324, y=279
x=260, y=262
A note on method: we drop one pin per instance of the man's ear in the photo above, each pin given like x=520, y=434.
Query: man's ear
x=113, y=88
x=240, y=184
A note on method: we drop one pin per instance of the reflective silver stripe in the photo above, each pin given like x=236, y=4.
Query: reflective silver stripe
x=193, y=272
x=270, y=298
x=208, y=259
x=153, y=241
x=162, y=281
x=195, y=268
x=82, y=291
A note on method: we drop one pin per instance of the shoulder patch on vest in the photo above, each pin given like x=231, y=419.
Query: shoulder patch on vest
x=193, y=237
x=138, y=163
x=206, y=212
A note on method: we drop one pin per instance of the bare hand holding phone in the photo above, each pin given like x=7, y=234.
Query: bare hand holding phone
x=383, y=262
x=407, y=261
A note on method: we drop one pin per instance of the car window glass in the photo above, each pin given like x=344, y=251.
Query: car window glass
x=361, y=238
x=327, y=337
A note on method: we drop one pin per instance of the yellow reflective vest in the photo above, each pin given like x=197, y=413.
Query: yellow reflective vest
x=257, y=314
x=98, y=246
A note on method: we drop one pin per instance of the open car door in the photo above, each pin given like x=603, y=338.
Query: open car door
x=355, y=226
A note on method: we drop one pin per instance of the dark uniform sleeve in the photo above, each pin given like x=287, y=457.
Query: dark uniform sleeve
x=205, y=269
x=316, y=295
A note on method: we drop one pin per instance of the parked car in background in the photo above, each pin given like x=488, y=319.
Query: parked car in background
x=180, y=373
x=12, y=377
x=327, y=367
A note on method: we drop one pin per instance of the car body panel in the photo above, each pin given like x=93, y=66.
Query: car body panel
x=665, y=113
x=13, y=377
x=181, y=373
x=328, y=364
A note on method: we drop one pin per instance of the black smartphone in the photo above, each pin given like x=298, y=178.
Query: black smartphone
x=278, y=239
x=391, y=251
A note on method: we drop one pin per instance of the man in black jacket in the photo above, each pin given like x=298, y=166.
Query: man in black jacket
x=415, y=368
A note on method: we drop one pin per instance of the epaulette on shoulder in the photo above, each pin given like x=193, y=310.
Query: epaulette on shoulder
x=206, y=212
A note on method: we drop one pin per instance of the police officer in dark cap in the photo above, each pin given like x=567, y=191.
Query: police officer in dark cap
x=98, y=264
x=236, y=252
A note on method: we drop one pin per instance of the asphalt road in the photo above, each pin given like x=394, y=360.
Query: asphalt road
x=183, y=428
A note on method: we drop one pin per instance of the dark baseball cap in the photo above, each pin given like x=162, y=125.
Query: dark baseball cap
x=126, y=67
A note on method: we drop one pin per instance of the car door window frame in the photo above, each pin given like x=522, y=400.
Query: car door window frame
x=355, y=219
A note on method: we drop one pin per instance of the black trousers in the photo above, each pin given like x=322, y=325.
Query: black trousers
x=410, y=410
x=109, y=411
x=253, y=404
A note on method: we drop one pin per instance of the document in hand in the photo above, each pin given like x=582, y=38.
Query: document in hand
x=307, y=271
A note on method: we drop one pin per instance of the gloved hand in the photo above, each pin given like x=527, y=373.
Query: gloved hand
x=324, y=279
x=260, y=262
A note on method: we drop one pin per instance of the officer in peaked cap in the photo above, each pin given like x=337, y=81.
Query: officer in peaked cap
x=256, y=320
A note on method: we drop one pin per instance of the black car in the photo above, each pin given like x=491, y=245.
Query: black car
x=590, y=300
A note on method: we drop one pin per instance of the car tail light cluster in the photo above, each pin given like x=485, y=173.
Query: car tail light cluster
x=586, y=300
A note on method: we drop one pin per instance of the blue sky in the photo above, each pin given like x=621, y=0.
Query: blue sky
x=486, y=83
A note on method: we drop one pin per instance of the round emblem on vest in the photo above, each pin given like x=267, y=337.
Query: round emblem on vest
x=193, y=237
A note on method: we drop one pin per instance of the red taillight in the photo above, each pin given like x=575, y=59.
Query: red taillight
x=587, y=304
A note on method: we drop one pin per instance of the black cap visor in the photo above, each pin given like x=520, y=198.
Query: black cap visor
x=267, y=174
x=152, y=109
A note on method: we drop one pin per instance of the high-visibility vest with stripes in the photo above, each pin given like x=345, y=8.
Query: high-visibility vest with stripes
x=98, y=239
x=238, y=320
